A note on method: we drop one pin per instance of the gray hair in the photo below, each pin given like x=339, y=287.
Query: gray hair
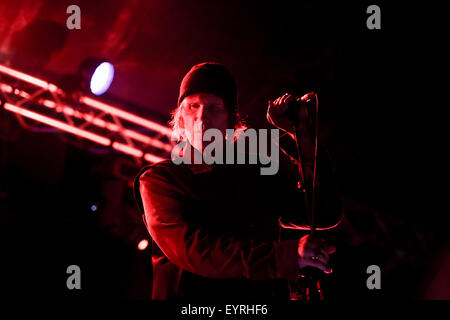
x=178, y=133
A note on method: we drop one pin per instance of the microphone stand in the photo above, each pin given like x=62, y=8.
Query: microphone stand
x=300, y=289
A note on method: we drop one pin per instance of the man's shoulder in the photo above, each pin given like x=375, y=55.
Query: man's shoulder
x=161, y=165
x=160, y=171
x=164, y=167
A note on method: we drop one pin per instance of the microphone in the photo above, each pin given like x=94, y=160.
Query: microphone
x=295, y=104
x=308, y=97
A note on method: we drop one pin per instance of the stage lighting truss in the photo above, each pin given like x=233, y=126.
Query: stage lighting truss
x=109, y=126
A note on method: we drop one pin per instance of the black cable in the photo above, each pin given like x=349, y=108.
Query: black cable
x=316, y=135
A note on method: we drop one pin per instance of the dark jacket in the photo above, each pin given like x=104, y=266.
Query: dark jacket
x=215, y=232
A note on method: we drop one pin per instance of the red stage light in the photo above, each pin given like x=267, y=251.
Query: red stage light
x=108, y=125
x=150, y=141
x=152, y=158
x=89, y=118
x=6, y=88
x=58, y=124
x=127, y=149
x=27, y=78
x=126, y=115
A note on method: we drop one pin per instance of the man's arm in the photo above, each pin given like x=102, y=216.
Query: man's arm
x=327, y=205
x=204, y=253
x=328, y=208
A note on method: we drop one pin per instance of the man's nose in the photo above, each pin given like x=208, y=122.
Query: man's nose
x=203, y=114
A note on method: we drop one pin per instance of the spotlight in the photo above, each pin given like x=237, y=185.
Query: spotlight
x=94, y=75
x=97, y=74
x=143, y=244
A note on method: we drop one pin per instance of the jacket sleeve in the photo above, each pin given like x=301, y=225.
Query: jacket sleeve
x=207, y=254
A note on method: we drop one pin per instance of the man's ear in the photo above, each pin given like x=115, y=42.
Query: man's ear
x=181, y=122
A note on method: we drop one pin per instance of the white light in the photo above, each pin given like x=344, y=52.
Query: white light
x=102, y=78
x=94, y=207
x=143, y=244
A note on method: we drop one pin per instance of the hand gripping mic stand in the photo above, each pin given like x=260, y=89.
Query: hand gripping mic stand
x=308, y=278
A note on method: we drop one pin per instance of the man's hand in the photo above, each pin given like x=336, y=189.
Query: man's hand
x=277, y=115
x=314, y=252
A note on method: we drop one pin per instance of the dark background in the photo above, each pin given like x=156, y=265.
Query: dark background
x=372, y=123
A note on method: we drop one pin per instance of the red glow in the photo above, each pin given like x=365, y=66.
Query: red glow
x=126, y=115
x=143, y=244
x=58, y=124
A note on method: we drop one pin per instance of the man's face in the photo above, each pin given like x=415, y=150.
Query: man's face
x=200, y=112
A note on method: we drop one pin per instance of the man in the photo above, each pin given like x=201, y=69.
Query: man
x=215, y=228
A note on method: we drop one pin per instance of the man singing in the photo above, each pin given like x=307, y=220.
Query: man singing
x=216, y=227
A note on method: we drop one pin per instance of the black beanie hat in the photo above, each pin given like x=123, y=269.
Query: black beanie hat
x=210, y=77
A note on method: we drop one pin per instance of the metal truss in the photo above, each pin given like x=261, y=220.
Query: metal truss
x=52, y=109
